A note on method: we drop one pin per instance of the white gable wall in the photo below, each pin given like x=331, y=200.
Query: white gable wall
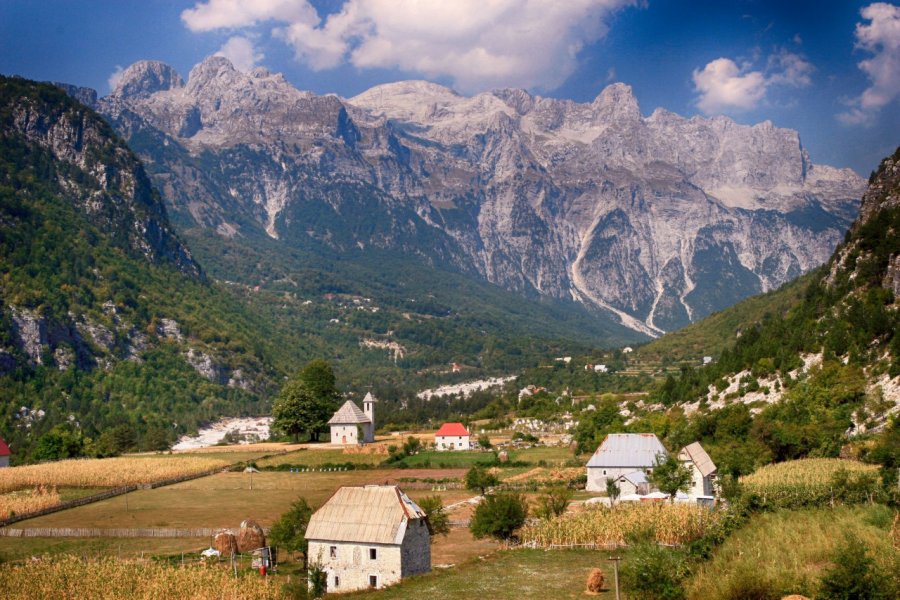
x=700, y=485
x=597, y=476
x=344, y=435
x=451, y=442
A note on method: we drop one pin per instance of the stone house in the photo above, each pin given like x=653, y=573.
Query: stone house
x=622, y=454
x=451, y=436
x=633, y=483
x=369, y=537
x=703, y=469
x=348, y=420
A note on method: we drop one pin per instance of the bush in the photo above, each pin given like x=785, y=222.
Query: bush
x=437, y=518
x=854, y=576
x=653, y=572
x=554, y=502
x=289, y=531
x=498, y=516
x=479, y=479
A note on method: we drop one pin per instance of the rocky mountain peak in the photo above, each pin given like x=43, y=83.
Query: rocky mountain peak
x=617, y=101
x=519, y=100
x=211, y=71
x=146, y=77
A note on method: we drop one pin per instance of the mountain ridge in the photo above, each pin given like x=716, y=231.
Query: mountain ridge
x=655, y=221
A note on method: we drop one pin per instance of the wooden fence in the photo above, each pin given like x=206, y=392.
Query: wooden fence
x=103, y=496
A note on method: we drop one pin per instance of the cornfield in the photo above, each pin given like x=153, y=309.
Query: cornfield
x=105, y=472
x=26, y=501
x=811, y=481
x=70, y=577
x=672, y=524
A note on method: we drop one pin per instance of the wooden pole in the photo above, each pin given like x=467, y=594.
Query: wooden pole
x=615, y=561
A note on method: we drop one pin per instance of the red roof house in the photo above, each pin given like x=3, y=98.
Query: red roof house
x=4, y=454
x=451, y=436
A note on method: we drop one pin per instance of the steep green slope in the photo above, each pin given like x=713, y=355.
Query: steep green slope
x=106, y=318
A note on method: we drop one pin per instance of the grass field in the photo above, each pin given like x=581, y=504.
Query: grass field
x=316, y=457
x=784, y=552
x=519, y=574
x=224, y=500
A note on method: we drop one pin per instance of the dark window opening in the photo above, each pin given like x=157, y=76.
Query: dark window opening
x=333, y=552
x=373, y=553
x=373, y=581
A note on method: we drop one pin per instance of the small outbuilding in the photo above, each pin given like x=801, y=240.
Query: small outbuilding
x=4, y=454
x=703, y=469
x=452, y=436
x=633, y=483
x=622, y=454
x=369, y=537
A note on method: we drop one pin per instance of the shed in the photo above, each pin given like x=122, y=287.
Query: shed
x=621, y=454
x=369, y=537
x=633, y=483
x=452, y=436
x=703, y=469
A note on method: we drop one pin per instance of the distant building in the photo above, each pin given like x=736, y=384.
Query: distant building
x=600, y=369
x=348, y=420
x=451, y=436
x=455, y=367
x=622, y=454
x=627, y=350
x=707, y=360
x=4, y=454
x=369, y=537
x=703, y=469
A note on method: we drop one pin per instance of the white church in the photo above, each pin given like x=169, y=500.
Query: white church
x=349, y=420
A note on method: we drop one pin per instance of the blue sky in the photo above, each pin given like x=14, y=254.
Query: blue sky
x=830, y=69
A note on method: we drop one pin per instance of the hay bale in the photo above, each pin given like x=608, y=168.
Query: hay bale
x=595, y=581
x=251, y=536
x=226, y=543
x=503, y=456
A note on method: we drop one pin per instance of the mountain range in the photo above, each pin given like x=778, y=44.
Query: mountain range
x=652, y=222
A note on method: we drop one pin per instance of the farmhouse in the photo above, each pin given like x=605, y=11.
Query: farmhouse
x=369, y=537
x=348, y=420
x=622, y=454
x=4, y=454
x=451, y=436
x=702, y=467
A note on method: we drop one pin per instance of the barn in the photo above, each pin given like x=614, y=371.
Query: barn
x=451, y=436
x=622, y=454
x=369, y=537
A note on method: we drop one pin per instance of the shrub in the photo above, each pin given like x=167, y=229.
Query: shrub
x=498, y=516
x=554, y=502
x=654, y=573
x=854, y=576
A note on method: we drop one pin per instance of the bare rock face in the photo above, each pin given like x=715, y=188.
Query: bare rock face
x=656, y=221
x=147, y=77
x=32, y=333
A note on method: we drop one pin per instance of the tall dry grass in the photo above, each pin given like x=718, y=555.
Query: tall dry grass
x=70, y=577
x=663, y=522
x=26, y=501
x=105, y=472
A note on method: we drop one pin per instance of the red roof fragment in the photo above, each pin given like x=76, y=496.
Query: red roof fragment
x=448, y=429
x=4, y=449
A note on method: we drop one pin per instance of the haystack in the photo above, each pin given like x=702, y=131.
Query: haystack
x=251, y=536
x=595, y=581
x=503, y=456
x=226, y=543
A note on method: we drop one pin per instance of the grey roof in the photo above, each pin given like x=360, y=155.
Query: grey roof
x=374, y=514
x=638, y=450
x=348, y=414
x=370, y=397
x=636, y=477
x=696, y=454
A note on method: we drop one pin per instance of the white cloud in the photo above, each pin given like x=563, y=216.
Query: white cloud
x=241, y=52
x=881, y=37
x=724, y=86
x=115, y=77
x=476, y=43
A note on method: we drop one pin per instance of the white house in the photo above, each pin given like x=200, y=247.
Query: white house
x=369, y=537
x=349, y=419
x=633, y=483
x=622, y=454
x=451, y=436
x=703, y=469
x=4, y=454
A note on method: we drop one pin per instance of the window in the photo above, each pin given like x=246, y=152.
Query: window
x=373, y=581
x=604, y=471
x=337, y=581
x=373, y=553
x=332, y=552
